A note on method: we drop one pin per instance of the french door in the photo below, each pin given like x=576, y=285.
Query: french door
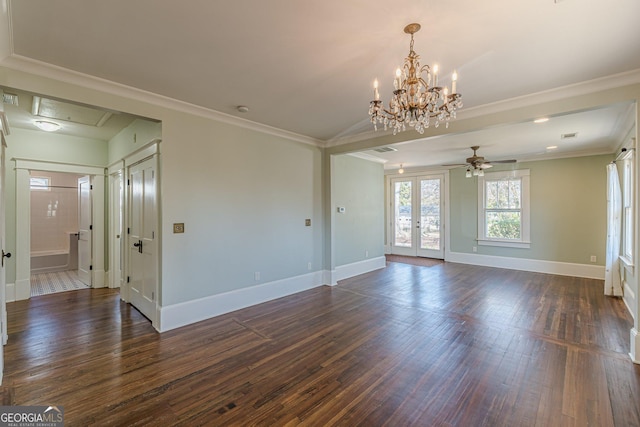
x=417, y=216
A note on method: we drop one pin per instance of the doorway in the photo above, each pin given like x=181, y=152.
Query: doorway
x=417, y=216
x=60, y=248
x=22, y=287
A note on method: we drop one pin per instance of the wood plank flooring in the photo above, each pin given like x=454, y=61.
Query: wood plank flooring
x=447, y=345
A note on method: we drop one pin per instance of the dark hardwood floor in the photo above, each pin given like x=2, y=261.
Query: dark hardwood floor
x=447, y=345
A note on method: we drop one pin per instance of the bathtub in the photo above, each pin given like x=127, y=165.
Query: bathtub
x=56, y=260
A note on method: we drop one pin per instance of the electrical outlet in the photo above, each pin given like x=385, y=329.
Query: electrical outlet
x=366, y=254
x=309, y=265
x=256, y=276
x=178, y=227
x=474, y=249
x=307, y=222
x=593, y=258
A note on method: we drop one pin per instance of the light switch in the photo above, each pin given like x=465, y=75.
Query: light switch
x=307, y=222
x=341, y=209
x=178, y=227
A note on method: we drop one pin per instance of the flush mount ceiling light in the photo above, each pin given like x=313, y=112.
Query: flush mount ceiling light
x=541, y=120
x=401, y=170
x=416, y=99
x=47, y=126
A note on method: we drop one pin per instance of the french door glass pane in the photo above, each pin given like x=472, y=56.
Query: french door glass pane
x=402, y=206
x=430, y=214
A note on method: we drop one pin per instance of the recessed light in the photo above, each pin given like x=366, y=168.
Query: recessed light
x=541, y=120
x=47, y=126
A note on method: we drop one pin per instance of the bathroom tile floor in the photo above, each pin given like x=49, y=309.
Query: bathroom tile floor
x=50, y=283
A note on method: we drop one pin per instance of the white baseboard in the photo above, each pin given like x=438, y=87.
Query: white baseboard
x=349, y=270
x=98, y=279
x=181, y=314
x=635, y=346
x=534, y=265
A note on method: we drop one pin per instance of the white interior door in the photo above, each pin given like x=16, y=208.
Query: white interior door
x=85, y=230
x=142, y=246
x=115, y=230
x=417, y=216
x=3, y=298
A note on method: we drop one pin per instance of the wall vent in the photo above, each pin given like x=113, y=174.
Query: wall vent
x=384, y=149
x=568, y=135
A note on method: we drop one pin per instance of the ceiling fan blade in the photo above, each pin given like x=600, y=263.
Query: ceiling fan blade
x=457, y=164
x=503, y=161
x=485, y=165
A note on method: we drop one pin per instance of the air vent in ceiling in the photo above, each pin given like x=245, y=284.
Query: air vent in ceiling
x=384, y=149
x=568, y=135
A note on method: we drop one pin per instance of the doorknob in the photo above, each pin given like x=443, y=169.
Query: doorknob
x=5, y=255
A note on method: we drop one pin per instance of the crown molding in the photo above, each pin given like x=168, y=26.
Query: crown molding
x=46, y=70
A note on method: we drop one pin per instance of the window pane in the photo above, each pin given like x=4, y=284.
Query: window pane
x=503, y=225
x=39, y=183
x=504, y=194
x=491, y=201
x=402, y=205
x=514, y=194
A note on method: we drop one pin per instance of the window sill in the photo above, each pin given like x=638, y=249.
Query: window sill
x=505, y=244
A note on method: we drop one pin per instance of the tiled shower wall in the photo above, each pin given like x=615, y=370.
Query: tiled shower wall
x=54, y=212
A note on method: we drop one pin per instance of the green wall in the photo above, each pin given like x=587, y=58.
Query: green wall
x=358, y=186
x=568, y=211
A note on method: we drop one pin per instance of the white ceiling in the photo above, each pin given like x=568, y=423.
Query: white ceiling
x=307, y=67
x=68, y=115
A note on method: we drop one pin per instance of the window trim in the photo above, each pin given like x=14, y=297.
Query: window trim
x=525, y=238
x=627, y=251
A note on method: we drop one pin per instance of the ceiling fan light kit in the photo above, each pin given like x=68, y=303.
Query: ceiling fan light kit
x=416, y=99
x=477, y=164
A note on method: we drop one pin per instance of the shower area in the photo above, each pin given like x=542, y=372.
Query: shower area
x=54, y=232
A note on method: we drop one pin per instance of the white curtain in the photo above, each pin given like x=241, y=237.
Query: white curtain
x=612, y=283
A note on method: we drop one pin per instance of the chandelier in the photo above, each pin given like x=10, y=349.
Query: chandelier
x=416, y=101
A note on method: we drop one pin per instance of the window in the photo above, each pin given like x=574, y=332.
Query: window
x=39, y=183
x=503, y=209
x=627, y=208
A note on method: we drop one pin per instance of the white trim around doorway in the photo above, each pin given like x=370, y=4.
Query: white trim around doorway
x=21, y=289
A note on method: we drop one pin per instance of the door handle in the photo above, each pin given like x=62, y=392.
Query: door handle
x=138, y=245
x=5, y=255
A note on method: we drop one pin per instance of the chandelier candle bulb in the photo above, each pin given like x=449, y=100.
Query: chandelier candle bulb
x=376, y=94
x=398, y=83
x=454, y=82
x=435, y=74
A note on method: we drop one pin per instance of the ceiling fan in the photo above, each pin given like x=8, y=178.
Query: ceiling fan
x=477, y=163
